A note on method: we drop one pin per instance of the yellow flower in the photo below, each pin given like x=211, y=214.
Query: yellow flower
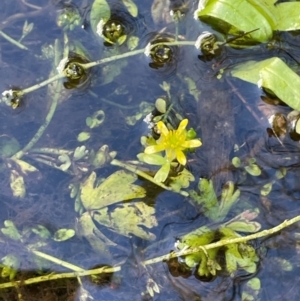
x=173, y=142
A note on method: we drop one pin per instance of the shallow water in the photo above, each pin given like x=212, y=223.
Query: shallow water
x=228, y=115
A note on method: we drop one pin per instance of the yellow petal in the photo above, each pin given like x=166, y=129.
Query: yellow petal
x=162, y=128
x=181, y=157
x=182, y=126
x=154, y=149
x=191, y=143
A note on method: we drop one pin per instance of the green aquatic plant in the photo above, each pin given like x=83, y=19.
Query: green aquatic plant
x=173, y=143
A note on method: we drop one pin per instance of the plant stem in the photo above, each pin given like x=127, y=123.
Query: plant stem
x=144, y=175
x=134, y=52
x=80, y=272
x=8, y=38
x=225, y=242
x=42, y=129
x=42, y=84
x=58, y=261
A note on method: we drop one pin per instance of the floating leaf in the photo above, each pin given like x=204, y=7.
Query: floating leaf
x=41, y=231
x=100, y=11
x=236, y=162
x=275, y=76
x=235, y=16
x=83, y=136
x=17, y=184
x=266, y=189
x=253, y=170
x=117, y=187
x=132, y=42
x=251, y=290
x=131, y=6
x=153, y=159
x=63, y=234
x=244, y=222
x=10, y=230
x=280, y=173
x=182, y=180
x=282, y=81
x=128, y=218
x=287, y=16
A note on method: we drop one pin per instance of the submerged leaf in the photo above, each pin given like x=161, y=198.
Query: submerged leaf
x=86, y=228
x=63, y=234
x=117, y=187
x=131, y=6
x=17, y=184
x=128, y=218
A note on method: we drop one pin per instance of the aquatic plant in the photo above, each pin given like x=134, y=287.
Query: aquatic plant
x=111, y=191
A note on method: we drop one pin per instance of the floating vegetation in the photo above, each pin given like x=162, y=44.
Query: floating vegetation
x=102, y=152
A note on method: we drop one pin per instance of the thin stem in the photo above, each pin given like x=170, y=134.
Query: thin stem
x=134, y=52
x=144, y=175
x=225, y=242
x=11, y=40
x=58, y=261
x=112, y=58
x=80, y=272
x=42, y=129
x=42, y=84
x=59, y=276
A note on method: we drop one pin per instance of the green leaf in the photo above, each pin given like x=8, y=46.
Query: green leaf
x=162, y=174
x=83, y=136
x=253, y=170
x=235, y=16
x=287, y=15
x=132, y=42
x=17, y=184
x=117, y=187
x=63, y=234
x=128, y=218
x=41, y=231
x=100, y=11
x=153, y=159
x=243, y=222
x=249, y=71
x=131, y=6
x=182, y=180
x=86, y=228
x=282, y=81
x=229, y=197
x=266, y=189
x=275, y=76
x=11, y=231
x=8, y=146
